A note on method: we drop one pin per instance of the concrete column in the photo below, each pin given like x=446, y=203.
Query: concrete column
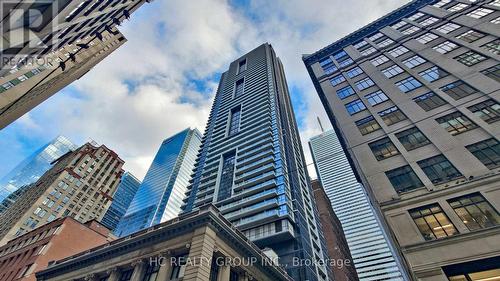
x=224, y=273
x=114, y=274
x=165, y=268
x=139, y=270
x=201, y=250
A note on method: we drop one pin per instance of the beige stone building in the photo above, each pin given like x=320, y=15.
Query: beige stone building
x=200, y=245
x=81, y=184
x=414, y=99
x=62, y=42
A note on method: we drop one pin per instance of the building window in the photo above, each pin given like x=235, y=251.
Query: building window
x=179, y=267
x=376, y=36
x=408, y=84
x=428, y=21
x=398, y=51
x=433, y=222
x=239, y=88
x=403, y=179
x=458, y=90
x=337, y=80
x=151, y=272
x=355, y=107
x=328, y=66
x=470, y=58
x=495, y=20
x=412, y=138
x=432, y=74
x=345, y=92
x=414, y=61
x=488, y=110
x=214, y=270
x=376, y=97
x=447, y=28
x=346, y=62
x=360, y=44
x=439, y=169
x=487, y=151
x=426, y=38
x=456, y=123
x=234, y=123
x=233, y=275
x=392, y=71
x=242, y=66
x=410, y=30
x=416, y=16
x=379, y=60
x=392, y=115
x=429, y=101
x=126, y=275
x=493, y=72
x=477, y=270
x=441, y=3
x=364, y=83
x=340, y=55
x=386, y=42
x=368, y=51
x=367, y=125
x=475, y=211
x=493, y=47
x=399, y=25
x=351, y=73
x=226, y=180
x=445, y=47
x=383, y=149
x=479, y=13
x=470, y=36
x=457, y=7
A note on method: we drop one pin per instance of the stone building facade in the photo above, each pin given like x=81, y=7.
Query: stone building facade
x=81, y=184
x=200, y=245
x=415, y=100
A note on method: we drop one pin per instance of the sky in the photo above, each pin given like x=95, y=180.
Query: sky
x=164, y=78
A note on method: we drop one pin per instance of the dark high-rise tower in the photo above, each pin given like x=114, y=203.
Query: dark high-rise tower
x=251, y=164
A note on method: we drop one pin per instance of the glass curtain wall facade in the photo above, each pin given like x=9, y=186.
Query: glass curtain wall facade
x=371, y=252
x=251, y=164
x=414, y=98
x=33, y=167
x=159, y=197
x=122, y=198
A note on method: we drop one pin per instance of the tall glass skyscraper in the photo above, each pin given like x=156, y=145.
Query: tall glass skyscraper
x=122, y=198
x=33, y=167
x=251, y=165
x=160, y=195
x=367, y=241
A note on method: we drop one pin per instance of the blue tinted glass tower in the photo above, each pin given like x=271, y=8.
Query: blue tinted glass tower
x=122, y=198
x=370, y=248
x=33, y=167
x=251, y=165
x=160, y=195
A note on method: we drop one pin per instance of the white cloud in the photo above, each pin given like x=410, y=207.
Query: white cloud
x=144, y=92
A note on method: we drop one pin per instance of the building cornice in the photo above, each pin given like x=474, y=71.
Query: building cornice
x=367, y=30
x=209, y=216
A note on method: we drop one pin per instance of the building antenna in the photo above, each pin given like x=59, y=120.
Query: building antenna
x=320, y=125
